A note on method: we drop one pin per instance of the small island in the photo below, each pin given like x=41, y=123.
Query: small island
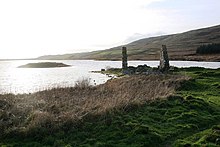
x=43, y=65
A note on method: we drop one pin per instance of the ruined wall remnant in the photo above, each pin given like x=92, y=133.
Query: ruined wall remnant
x=164, y=60
x=124, y=59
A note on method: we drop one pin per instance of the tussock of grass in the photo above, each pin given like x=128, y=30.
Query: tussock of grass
x=53, y=108
x=156, y=123
x=208, y=137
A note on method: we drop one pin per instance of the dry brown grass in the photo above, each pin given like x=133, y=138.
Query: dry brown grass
x=58, y=106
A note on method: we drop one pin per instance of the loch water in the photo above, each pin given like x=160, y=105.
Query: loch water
x=27, y=80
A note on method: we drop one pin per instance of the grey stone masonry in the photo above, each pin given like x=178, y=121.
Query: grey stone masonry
x=164, y=60
x=124, y=59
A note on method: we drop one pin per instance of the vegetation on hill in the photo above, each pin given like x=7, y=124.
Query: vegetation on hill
x=181, y=46
x=43, y=65
x=209, y=49
x=140, y=110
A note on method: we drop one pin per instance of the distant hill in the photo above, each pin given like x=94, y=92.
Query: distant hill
x=180, y=46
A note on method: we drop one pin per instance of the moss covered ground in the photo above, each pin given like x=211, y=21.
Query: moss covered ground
x=191, y=117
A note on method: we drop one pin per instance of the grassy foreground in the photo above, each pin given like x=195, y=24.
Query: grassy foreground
x=154, y=110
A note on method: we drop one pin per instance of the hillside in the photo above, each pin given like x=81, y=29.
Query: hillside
x=180, y=46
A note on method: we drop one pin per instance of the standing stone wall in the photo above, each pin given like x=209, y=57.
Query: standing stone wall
x=164, y=60
x=124, y=60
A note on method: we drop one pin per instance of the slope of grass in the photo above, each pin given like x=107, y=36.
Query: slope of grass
x=158, y=123
x=181, y=46
x=208, y=137
x=189, y=117
x=205, y=85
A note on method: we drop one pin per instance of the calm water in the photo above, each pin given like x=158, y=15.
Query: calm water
x=25, y=80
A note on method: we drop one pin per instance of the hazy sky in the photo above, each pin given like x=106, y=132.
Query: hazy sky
x=30, y=28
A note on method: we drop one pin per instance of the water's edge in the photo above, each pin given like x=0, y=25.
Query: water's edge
x=19, y=80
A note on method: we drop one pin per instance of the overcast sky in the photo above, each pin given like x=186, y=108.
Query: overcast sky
x=31, y=28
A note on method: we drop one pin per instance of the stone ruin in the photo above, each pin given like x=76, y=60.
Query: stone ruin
x=164, y=60
x=124, y=60
x=163, y=67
